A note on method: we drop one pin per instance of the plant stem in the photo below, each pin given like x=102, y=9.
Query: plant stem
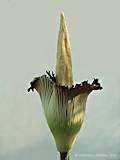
x=64, y=156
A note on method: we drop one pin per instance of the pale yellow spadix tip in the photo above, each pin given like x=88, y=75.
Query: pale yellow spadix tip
x=62, y=16
x=64, y=64
x=63, y=25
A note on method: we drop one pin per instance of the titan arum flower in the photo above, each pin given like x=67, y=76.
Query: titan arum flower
x=63, y=103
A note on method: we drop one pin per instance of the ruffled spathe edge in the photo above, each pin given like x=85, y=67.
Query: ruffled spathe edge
x=72, y=92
